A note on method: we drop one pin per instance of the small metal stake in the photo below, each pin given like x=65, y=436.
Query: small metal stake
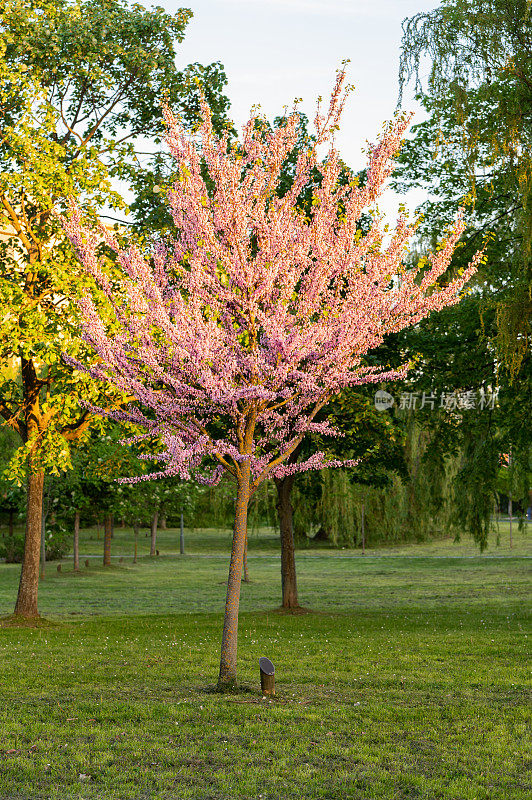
x=267, y=676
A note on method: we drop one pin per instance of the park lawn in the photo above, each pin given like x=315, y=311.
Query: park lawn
x=265, y=541
x=408, y=681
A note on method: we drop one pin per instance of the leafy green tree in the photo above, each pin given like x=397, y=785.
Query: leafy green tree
x=479, y=96
x=475, y=145
x=80, y=86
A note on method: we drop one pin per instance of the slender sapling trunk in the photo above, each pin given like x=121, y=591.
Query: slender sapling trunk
x=227, y=676
x=245, y=576
x=153, y=531
x=136, y=535
x=43, y=546
x=107, y=533
x=76, y=540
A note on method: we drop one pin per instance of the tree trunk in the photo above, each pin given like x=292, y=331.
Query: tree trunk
x=288, y=552
x=163, y=522
x=107, y=533
x=227, y=676
x=26, y=605
x=510, y=514
x=10, y=546
x=153, y=531
x=136, y=535
x=43, y=546
x=363, y=529
x=245, y=577
x=181, y=536
x=76, y=540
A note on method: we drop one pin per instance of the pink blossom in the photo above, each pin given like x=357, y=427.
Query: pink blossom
x=236, y=333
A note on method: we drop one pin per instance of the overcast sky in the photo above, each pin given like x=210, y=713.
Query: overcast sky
x=276, y=50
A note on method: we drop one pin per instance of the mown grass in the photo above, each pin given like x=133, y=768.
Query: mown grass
x=408, y=681
x=208, y=541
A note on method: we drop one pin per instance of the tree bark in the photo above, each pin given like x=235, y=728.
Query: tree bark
x=43, y=546
x=26, y=605
x=10, y=547
x=245, y=577
x=363, y=529
x=163, y=522
x=153, y=531
x=136, y=535
x=288, y=551
x=227, y=676
x=76, y=540
x=107, y=533
x=181, y=536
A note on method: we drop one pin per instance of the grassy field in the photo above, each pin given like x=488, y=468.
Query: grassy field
x=408, y=680
x=266, y=541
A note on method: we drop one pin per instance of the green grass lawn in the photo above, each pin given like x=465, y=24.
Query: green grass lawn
x=409, y=680
x=266, y=541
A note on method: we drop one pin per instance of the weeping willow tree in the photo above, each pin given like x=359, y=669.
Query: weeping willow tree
x=479, y=94
x=476, y=147
x=414, y=503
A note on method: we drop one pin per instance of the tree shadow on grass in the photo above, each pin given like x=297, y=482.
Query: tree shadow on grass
x=293, y=611
x=16, y=621
x=229, y=689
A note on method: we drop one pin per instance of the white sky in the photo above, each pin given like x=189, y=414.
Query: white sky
x=276, y=50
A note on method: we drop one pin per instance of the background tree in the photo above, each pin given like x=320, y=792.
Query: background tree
x=80, y=88
x=475, y=147
x=284, y=485
x=254, y=316
x=479, y=94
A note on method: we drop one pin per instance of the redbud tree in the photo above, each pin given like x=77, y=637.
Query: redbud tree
x=233, y=335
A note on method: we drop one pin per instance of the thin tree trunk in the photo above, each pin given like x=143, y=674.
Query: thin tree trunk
x=363, y=531
x=181, y=536
x=227, y=675
x=98, y=528
x=10, y=548
x=26, y=605
x=245, y=576
x=136, y=535
x=76, y=540
x=43, y=546
x=510, y=513
x=107, y=533
x=288, y=551
x=153, y=531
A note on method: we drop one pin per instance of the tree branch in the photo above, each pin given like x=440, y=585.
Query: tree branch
x=16, y=223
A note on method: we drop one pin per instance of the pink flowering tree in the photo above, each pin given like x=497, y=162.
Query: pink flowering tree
x=234, y=335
